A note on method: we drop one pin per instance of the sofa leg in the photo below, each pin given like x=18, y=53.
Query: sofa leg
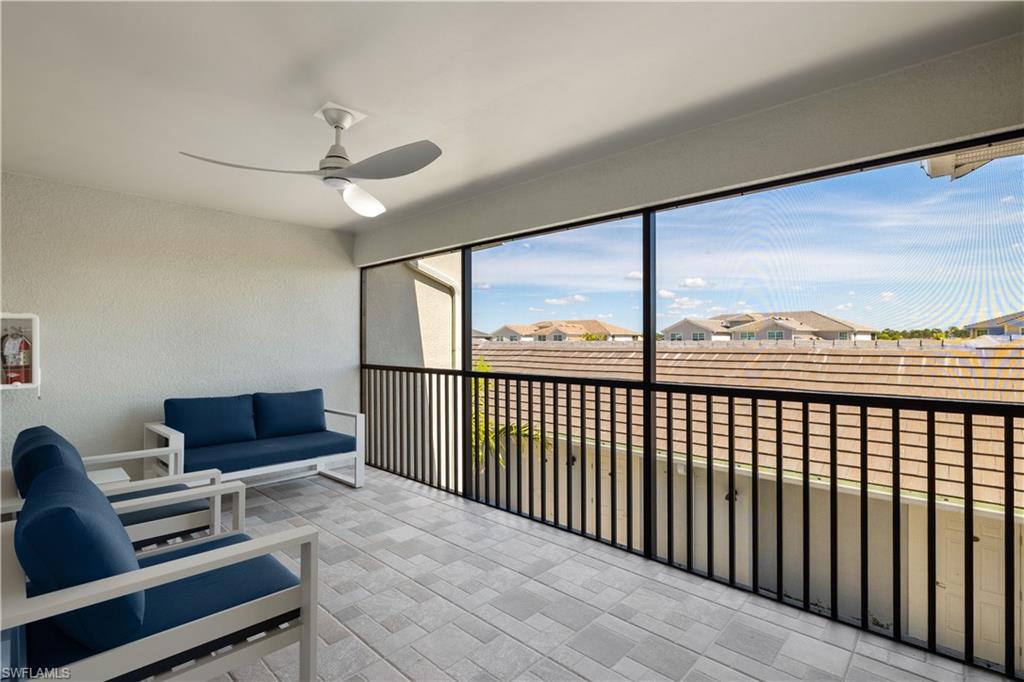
x=354, y=481
x=309, y=611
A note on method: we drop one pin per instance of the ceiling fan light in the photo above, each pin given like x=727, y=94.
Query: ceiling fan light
x=336, y=183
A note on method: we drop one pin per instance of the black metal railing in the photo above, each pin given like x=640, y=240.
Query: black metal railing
x=833, y=503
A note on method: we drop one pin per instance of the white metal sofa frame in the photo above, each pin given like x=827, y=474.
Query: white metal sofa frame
x=170, y=474
x=154, y=432
x=19, y=609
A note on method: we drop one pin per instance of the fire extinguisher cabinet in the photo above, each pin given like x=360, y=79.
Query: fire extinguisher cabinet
x=19, y=351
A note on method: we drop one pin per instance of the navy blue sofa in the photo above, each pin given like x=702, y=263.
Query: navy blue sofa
x=68, y=535
x=40, y=449
x=259, y=433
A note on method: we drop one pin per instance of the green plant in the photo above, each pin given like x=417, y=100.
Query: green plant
x=491, y=436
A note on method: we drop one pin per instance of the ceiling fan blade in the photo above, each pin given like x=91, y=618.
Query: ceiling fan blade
x=255, y=168
x=361, y=201
x=396, y=162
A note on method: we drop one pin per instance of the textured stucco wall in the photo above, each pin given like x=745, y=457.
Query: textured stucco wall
x=959, y=96
x=409, y=315
x=141, y=300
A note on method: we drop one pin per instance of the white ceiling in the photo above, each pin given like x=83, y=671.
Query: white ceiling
x=105, y=94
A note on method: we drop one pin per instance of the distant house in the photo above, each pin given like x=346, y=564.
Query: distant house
x=777, y=326
x=999, y=326
x=564, y=330
x=481, y=336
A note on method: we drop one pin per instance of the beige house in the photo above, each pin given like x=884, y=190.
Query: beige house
x=803, y=325
x=999, y=326
x=564, y=330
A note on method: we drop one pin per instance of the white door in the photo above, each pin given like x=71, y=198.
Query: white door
x=988, y=585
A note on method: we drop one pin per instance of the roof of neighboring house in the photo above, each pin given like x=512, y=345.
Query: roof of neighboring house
x=1017, y=317
x=787, y=322
x=569, y=328
x=712, y=325
x=477, y=334
x=810, y=319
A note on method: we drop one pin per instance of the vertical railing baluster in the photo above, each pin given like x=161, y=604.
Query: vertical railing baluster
x=543, y=451
x=709, y=458
x=779, y=469
x=508, y=445
x=569, y=456
x=897, y=540
x=670, y=549
x=530, y=431
x=486, y=432
x=583, y=459
x=614, y=464
x=554, y=461
x=865, y=529
x=689, y=481
x=806, y=502
x=930, y=544
x=833, y=510
x=598, y=483
x=475, y=460
x=629, y=469
x=969, y=538
x=731, y=478
x=1011, y=591
x=424, y=411
x=519, y=447
x=755, y=503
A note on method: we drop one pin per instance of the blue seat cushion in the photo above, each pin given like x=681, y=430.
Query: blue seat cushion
x=38, y=449
x=157, y=513
x=289, y=414
x=211, y=421
x=267, y=451
x=176, y=603
x=68, y=534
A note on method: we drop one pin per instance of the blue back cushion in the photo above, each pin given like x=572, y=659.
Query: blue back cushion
x=38, y=449
x=289, y=414
x=211, y=421
x=68, y=534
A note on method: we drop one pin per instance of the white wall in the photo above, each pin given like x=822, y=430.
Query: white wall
x=141, y=300
x=963, y=95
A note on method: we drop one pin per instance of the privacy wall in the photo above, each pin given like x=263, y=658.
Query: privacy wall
x=141, y=300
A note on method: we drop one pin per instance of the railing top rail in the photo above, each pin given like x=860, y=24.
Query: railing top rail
x=945, y=405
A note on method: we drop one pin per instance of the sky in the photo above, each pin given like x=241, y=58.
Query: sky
x=888, y=247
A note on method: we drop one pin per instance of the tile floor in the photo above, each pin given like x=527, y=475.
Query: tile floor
x=423, y=585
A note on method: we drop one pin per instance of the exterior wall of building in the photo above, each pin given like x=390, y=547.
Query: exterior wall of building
x=410, y=317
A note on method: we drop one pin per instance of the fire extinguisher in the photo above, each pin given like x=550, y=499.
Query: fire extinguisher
x=16, y=351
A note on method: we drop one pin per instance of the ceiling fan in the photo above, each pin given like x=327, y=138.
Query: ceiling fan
x=338, y=172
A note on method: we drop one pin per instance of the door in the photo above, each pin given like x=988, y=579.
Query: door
x=988, y=585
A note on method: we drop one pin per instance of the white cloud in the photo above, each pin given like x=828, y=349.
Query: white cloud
x=566, y=300
x=527, y=245
x=685, y=303
x=604, y=316
x=1017, y=246
x=634, y=274
x=851, y=293
x=869, y=307
x=741, y=302
x=483, y=285
x=887, y=297
x=665, y=293
x=716, y=309
x=694, y=283
x=535, y=310
x=844, y=306
x=1008, y=199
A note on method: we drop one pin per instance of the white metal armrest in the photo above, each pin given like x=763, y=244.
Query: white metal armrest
x=20, y=610
x=96, y=461
x=344, y=413
x=235, y=489
x=360, y=459
x=152, y=432
x=206, y=476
